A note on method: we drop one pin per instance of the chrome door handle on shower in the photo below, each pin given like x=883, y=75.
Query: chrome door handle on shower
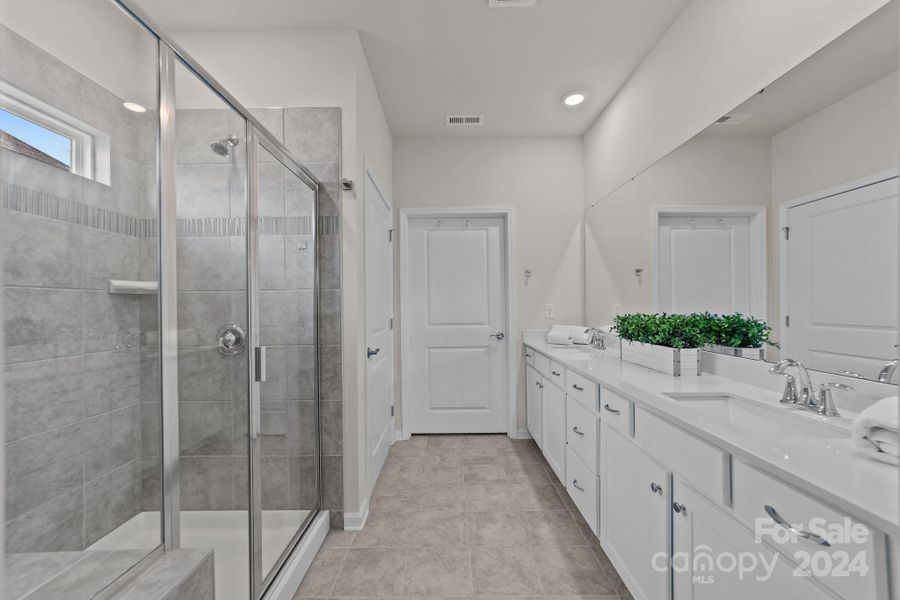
x=499, y=335
x=370, y=353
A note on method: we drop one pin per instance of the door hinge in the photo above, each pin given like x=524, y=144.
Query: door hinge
x=787, y=320
x=787, y=232
x=390, y=235
x=391, y=323
x=392, y=410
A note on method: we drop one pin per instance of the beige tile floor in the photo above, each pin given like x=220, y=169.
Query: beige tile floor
x=466, y=516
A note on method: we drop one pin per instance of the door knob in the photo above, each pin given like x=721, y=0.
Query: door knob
x=499, y=335
x=370, y=353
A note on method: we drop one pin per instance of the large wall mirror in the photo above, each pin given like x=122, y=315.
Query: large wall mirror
x=786, y=209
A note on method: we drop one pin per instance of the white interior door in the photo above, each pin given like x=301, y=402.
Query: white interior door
x=379, y=337
x=842, y=280
x=705, y=264
x=456, y=282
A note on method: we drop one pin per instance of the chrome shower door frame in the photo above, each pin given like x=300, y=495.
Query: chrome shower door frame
x=260, y=581
x=171, y=54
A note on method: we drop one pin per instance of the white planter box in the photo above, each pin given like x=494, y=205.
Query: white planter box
x=674, y=361
x=754, y=353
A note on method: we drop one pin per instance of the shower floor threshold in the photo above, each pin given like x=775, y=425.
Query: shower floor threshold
x=225, y=531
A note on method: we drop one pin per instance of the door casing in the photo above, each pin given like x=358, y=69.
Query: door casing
x=513, y=335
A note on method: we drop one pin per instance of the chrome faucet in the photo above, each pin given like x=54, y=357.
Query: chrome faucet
x=805, y=396
x=598, y=338
x=887, y=371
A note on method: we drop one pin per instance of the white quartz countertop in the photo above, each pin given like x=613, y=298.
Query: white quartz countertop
x=828, y=469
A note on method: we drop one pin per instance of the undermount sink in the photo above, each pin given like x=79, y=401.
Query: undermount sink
x=772, y=421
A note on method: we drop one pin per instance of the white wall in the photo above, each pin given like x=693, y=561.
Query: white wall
x=320, y=67
x=708, y=170
x=852, y=138
x=375, y=153
x=715, y=55
x=542, y=180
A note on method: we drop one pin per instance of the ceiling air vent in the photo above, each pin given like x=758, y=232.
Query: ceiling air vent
x=511, y=3
x=732, y=119
x=464, y=120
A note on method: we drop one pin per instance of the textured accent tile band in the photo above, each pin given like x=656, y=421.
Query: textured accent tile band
x=41, y=204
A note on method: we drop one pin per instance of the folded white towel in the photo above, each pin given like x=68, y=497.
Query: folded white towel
x=876, y=431
x=559, y=338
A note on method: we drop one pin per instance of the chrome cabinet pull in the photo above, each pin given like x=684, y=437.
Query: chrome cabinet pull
x=807, y=535
x=656, y=488
x=678, y=507
x=577, y=387
x=576, y=430
x=555, y=373
x=576, y=486
x=612, y=410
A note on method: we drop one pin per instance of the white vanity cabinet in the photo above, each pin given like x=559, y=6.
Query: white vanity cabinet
x=703, y=533
x=545, y=408
x=553, y=427
x=533, y=402
x=635, y=515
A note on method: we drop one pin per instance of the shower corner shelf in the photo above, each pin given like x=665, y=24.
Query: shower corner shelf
x=119, y=286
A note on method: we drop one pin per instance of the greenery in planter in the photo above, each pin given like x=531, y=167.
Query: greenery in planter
x=693, y=330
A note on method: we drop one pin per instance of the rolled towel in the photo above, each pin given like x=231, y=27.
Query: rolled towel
x=876, y=431
x=559, y=335
x=578, y=333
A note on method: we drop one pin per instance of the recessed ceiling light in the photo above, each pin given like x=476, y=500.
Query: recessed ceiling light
x=574, y=98
x=134, y=107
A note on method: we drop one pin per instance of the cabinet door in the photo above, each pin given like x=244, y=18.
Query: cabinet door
x=635, y=515
x=533, y=403
x=553, y=427
x=706, y=539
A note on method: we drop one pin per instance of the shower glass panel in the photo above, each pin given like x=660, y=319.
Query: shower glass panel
x=286, y=261
x=78, y=214
x=213, y=326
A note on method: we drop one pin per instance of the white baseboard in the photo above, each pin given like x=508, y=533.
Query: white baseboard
x=521, y=434
x=285, y=585
x=356, y=521
x=399, y=436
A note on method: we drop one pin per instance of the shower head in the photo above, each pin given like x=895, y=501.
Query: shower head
x=223, y=147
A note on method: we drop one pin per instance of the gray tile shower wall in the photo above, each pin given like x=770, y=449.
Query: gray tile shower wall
x=211, y=280
x=72, y=355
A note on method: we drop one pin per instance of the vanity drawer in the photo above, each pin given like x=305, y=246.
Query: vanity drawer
x=542, y=364
x=557, y=374
x=583, y=433
x=617, y=412
x=529, y=356
x=703, y=465
x=584, y=489
x=582, y=388
x=754, y=490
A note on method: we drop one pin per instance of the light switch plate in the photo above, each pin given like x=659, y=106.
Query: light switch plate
x=550, y=311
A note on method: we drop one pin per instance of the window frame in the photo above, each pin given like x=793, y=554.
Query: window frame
x=90, y=153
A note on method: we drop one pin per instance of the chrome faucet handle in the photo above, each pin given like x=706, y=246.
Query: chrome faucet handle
x=790, y=390
x=826, y=407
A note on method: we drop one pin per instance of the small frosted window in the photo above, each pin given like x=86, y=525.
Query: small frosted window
x=38, y=142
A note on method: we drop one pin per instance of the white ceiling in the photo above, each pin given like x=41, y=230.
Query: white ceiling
x=860, y=57
x=430, y=58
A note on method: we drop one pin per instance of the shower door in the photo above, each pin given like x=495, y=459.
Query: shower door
x=245, y=257
x=284, y=412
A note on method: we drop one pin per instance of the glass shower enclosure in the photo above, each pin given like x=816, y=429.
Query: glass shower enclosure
x=160, y=307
